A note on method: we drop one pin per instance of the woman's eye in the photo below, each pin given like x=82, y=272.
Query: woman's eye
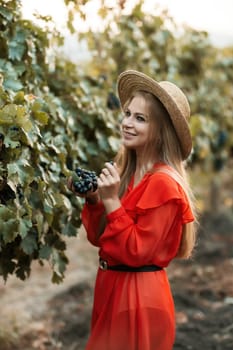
x=127, y=113
x=140, y=118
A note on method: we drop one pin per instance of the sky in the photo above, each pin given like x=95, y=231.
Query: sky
x=213, y=16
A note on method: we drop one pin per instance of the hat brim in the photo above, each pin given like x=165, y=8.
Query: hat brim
x=131, y=81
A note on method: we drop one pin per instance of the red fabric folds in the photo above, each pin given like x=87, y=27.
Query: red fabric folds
x=134, y=310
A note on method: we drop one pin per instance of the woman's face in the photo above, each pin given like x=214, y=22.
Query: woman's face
x=135, y=127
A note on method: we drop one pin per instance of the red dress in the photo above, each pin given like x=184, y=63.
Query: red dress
x=135, y=310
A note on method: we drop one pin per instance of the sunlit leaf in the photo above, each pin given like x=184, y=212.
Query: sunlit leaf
x=42, y=117
x=12, y=84
x=7, y=13
x=19, y=97
x=16, y=50
x=22, y=169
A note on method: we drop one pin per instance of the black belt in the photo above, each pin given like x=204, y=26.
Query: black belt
x=146, y=268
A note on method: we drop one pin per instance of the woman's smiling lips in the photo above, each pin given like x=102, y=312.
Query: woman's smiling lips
x=127, y=134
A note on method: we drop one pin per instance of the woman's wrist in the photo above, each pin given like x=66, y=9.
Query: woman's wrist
x=111, y=204
x=92, y=198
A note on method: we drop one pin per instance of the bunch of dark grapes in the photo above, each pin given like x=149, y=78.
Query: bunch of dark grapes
x=84, y=180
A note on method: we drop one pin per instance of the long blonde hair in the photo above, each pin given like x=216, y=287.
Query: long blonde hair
x=165, y=145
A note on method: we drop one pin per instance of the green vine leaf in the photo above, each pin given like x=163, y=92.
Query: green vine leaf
x=29, y=244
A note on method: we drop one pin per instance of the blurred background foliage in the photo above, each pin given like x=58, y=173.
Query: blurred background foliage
x=55, y=114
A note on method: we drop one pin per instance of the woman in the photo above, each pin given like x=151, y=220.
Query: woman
x=141, y=217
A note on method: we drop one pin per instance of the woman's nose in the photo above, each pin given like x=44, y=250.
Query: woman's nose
x=127, y=122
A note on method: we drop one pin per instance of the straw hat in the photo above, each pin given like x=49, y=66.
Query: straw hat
x=170, y=96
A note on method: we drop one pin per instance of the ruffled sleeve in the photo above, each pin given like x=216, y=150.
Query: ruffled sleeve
x=147, y=228
x=161, y=189
x=91, y=217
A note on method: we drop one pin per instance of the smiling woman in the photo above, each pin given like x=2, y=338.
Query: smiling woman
x=141, y=217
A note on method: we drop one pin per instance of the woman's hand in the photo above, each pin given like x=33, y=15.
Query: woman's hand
x=90, y=196
x=108, y=185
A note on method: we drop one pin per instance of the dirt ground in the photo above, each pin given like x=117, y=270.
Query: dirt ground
x=39, y=315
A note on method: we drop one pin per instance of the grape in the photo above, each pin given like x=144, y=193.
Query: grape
x=84, y=180
x=14, y=128
x=112, y=101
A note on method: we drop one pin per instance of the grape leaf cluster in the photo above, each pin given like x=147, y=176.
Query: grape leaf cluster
x=84, y=180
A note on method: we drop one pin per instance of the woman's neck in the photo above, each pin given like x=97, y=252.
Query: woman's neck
x=144, y=164
x=142, y=167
